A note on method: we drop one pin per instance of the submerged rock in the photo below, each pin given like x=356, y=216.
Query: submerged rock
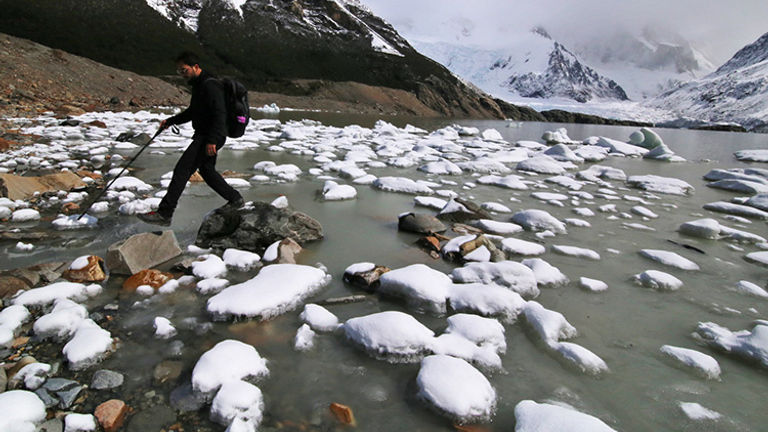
x=420, y=223
x=256, y=228
x=11, y=281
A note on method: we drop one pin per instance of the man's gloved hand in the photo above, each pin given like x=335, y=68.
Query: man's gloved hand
x=210, y=149
x=164, y=124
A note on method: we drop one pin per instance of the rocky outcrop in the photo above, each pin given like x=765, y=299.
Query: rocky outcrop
x=256, y=227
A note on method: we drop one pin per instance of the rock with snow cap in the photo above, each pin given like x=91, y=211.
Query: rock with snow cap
x=534, y=417
x=452, y=386
x=276, y=289
x=391, y=335
x=365, y=275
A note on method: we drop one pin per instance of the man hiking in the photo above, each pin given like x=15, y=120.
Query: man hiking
x=207, y=111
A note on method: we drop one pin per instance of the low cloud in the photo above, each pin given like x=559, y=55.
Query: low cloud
x=717, y=28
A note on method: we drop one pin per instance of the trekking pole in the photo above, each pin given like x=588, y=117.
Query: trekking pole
x=103, y=191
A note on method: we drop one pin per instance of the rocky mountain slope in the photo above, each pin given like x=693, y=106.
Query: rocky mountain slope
x=735, y=92
x=532, y=66
x=35, y=78
x=270, y=45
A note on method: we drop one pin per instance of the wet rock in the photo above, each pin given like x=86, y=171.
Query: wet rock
x=70, y=122
x=151, y=277
x=68, y=396
x=420, y=223
x=70, y=208
x=496, y=254
x=3, y=379
x=368, y=280
x=18, y=187
x=59, y=384
x=94, y=271
x=142, y=251
x=10, y=285
x=461, y=210
x=184, y=399
x=429, y=243
x=105, y=379
x=168, y=370
x=97, y=123
x=152, y=419
x=175, y=349
x=111, y=414
x=52, y=425
x=45, y=396
x=256, y=227
x=287, y=251
x=133, y=137
x=343, y=414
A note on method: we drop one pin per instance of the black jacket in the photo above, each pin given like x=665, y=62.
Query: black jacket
x=207, y=110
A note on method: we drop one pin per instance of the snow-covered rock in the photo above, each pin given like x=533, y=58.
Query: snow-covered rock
x=454, y=387
x=534, y=417
x=277, y=289
x=509, y=274
x=228, y=361
x=658, y=280
x=391, y=335
x=701, y=363
x=751, y=345
x=419, y=285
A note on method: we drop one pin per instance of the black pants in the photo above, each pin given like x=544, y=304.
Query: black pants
x=195, y=158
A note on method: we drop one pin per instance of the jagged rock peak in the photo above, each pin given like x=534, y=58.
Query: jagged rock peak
x=751, y=54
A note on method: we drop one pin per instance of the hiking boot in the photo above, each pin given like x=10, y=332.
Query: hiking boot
x=155, y=218
x=231, y=206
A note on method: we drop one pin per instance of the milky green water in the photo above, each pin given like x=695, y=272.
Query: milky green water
x=625, y=326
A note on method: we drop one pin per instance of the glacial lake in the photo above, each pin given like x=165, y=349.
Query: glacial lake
x=626, y=325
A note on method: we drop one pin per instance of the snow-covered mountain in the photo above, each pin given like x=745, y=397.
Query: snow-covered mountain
x=531, y=66
x=645, y=64
x=736, y=92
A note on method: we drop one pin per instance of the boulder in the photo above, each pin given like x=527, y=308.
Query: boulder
x=461, y=210
x=18, y=187
x=142, y=251
x=256, y=227
x=111, y=414
x=94, y=271
x=420, y=223
x=151, y=277
x=368, y=280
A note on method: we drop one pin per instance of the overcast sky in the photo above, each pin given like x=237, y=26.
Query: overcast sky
x=718, y=28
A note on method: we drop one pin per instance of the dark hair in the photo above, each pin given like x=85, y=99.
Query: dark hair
x=188, y=58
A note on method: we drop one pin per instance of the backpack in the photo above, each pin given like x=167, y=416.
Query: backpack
x=236, y=100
